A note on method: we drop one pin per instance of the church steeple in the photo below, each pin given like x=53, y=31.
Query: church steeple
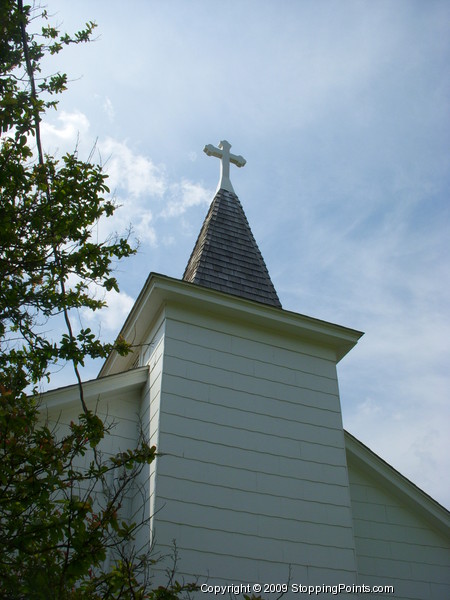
x=226, y=257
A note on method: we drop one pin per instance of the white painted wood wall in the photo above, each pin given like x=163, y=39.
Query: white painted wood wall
x=253, y=477
x=394, y=545
x=116, y=400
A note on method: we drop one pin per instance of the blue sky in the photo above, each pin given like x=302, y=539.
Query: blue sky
x=341, y=109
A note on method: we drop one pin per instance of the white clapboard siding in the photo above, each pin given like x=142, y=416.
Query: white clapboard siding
x=117, y=407
x=253, y=475
x=144, y=500
x=394, y=545
x=119, y=412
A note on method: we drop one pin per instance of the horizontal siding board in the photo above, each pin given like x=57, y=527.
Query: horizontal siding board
x=304, y=407
x=401, y=569
x=262, y=528
x=235, y=475
x=248, y=523
x=257, y=547
x=394, y=544
x=400, y=516
x=265, y=485
x=218, y=569
x=377, y=511
x=385, y=568
x=154, y=408
x=222, y=571
x=324, y=454
x=217, y=338
x=329, y=576
x=262, y=362
x=358, y=492
x=211, y=568
x=255, y=502
x=371, y=547
x=225, y=376
x=426, y=572
x=388, y=514
x=155, y=385
x=269, y=408
x=251, y=421
x=248, y=440
x=121, y=417
x=439, y=591
x=395, y=533
x=264, y=462
x=284, y=352
x=206, y=390
x=431, y=555
x=248, y=341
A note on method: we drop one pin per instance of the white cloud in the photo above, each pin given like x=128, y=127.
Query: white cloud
x=410, y=434
x=136, y=174
x=184, y=195
x=146, y=233
x=139, y=183
x=72, y=125
x=109, y=109
x=139, y=186
x=113, y=315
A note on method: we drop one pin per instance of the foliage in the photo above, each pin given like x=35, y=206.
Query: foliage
x=59, y=517
x=55, y=527
x=49, y=208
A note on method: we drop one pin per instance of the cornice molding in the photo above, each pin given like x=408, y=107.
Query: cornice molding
x=160, y=291
x=92, y=389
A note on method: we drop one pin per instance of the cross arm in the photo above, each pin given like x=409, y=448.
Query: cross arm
x=239, y=161
x=211, y=150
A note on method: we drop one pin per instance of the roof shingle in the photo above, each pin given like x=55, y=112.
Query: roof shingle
x=226, y=257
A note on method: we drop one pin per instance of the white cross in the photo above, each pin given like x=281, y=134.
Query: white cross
x=223, y=152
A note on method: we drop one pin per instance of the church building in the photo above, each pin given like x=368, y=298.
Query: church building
x=257, y=482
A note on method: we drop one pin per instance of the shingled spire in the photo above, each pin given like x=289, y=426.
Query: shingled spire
x=226, y=256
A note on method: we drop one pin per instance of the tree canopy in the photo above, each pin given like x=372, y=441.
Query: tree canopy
x=59, y=516
x=49, y=209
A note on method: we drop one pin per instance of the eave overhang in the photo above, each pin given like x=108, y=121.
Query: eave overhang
x=120, y=383
x=160, y=291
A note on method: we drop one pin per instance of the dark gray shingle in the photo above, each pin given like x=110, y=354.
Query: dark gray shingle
x=226, y=256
